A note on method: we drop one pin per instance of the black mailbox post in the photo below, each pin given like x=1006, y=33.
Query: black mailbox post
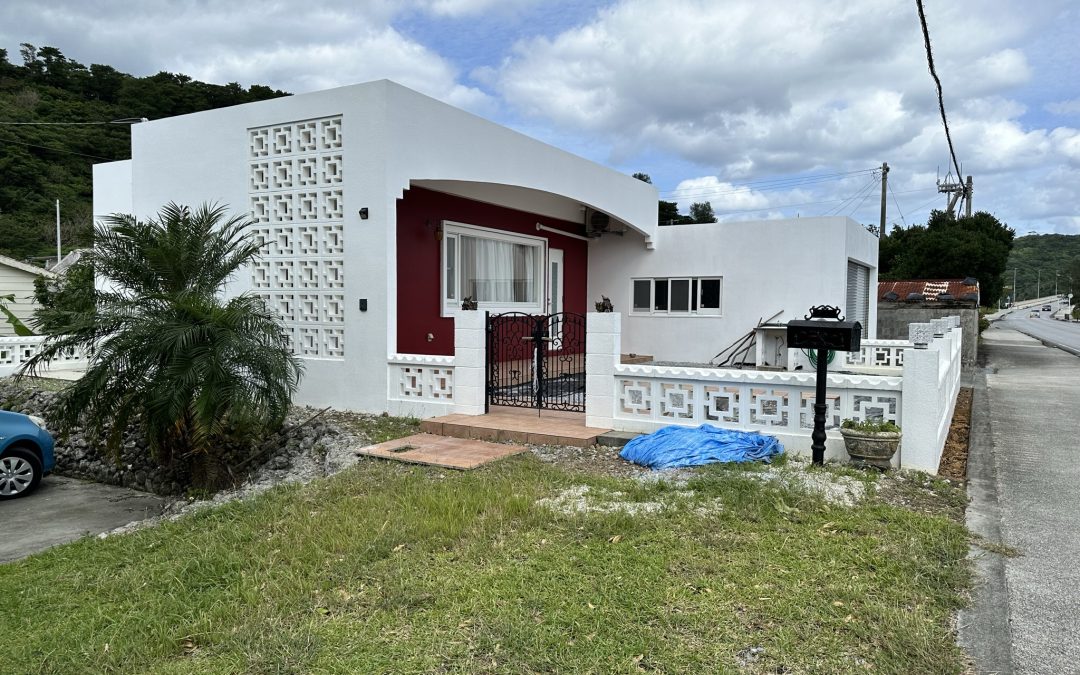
x=823, y=330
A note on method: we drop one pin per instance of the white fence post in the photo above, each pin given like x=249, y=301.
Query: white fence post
x=470, y=359
x=603, y=344
x=921, y=409
x=931, y=380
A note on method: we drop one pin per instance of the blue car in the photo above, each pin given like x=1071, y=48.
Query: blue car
x=26, y=453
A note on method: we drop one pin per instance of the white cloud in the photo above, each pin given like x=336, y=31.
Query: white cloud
x=1070, y=107
x=772, y=85
x=757, y=88
x=460, y=8
x=298, y=48
x=1066, y=142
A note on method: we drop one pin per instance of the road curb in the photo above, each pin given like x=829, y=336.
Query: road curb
x=984, y=627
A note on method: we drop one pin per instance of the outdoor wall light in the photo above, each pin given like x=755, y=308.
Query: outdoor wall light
x=363, y=213
x=919, y=334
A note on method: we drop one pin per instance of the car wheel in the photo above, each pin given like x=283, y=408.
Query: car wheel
x=20, y=472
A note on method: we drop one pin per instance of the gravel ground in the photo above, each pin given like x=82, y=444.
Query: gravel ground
x=334, y=452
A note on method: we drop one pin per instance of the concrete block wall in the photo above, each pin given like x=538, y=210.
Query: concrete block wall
x=603, y=344
x=893, y=319
x=470, y=362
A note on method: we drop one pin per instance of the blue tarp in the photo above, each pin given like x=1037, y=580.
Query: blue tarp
x=672, y=447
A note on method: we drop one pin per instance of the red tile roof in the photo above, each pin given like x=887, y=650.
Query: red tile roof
x=930, y=288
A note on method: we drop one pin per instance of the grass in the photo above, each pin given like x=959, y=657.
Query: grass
x=391, y=568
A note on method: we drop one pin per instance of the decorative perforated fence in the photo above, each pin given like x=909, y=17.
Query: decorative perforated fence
x=15, y=351
x=296, y=174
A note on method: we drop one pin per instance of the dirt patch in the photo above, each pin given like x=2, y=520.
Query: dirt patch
x=598, y=460
x=955, y=455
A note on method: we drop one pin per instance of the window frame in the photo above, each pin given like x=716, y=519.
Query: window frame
x=450, y=307
x=694, y=289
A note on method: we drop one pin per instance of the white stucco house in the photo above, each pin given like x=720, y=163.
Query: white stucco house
x=381, y=210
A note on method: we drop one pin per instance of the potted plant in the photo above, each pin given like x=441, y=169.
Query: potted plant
x=871, y=442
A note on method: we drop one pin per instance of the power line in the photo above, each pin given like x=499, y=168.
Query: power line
x=765, y=184
x=826, y=201
x=45, y=147
x=861, y=201
x=937, y=81
x=861, y=192
x=923, y=205
x=126, y=120
x=897, y=205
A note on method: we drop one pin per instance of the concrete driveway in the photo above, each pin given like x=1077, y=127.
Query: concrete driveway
x=64, y=509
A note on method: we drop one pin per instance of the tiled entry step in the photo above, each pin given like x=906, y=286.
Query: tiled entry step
x=517, y=425
x=451, y=453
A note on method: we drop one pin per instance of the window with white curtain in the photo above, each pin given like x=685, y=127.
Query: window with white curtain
x=499, y=270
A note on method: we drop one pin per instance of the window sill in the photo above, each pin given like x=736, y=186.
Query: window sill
x=449, y=312
x=676, y=315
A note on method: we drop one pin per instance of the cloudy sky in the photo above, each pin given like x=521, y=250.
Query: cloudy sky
x=765, y=108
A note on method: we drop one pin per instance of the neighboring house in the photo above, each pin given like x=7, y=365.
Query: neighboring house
x=381, y=210
x=17, y=278
x=68, y=261
x=961, y=291
x=900, y=303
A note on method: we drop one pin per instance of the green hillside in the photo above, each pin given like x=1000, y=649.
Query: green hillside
x=42, y=163
x=1042, y=256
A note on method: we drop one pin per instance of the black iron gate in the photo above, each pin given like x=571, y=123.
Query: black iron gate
x=536, y=361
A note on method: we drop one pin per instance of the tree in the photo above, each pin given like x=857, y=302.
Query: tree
x=165, y=348
x=701, y=212
x=60, y=299
x=952, y=248
x=667, y=213
x=42, y=163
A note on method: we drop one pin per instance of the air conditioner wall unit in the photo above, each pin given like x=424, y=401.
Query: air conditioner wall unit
x=598, y=223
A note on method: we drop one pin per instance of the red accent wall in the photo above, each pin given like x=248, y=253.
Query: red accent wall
x=419, y=264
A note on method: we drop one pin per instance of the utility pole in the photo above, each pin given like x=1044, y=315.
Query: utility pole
x=1014, y=296
x=957, y=191
x=58, y=231
x=1038, y=286
x=884, y=185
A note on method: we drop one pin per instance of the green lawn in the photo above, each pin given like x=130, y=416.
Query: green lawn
x=390, y=568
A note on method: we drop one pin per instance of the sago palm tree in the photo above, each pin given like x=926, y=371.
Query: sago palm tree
x=165, y=348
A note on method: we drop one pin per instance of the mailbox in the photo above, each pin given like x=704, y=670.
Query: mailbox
x=840, y=336
x=823, y=329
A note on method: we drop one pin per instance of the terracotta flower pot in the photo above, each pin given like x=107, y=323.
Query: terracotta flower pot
x=871, y=448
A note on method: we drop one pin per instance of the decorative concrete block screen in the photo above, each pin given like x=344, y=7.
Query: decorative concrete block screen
x=298, y=207
x=422, y=385
x=764, y=401
x=420, y=377
x=887, y=380
x=883, y=355
x=15, y=351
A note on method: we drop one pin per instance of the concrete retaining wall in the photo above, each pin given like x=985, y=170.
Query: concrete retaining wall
x=893, y=319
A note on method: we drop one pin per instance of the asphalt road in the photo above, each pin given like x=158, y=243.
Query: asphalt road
x=1061, y=333
x=64, y=509
x=1023, y=470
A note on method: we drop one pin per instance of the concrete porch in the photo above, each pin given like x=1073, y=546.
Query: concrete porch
x=518, y=425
